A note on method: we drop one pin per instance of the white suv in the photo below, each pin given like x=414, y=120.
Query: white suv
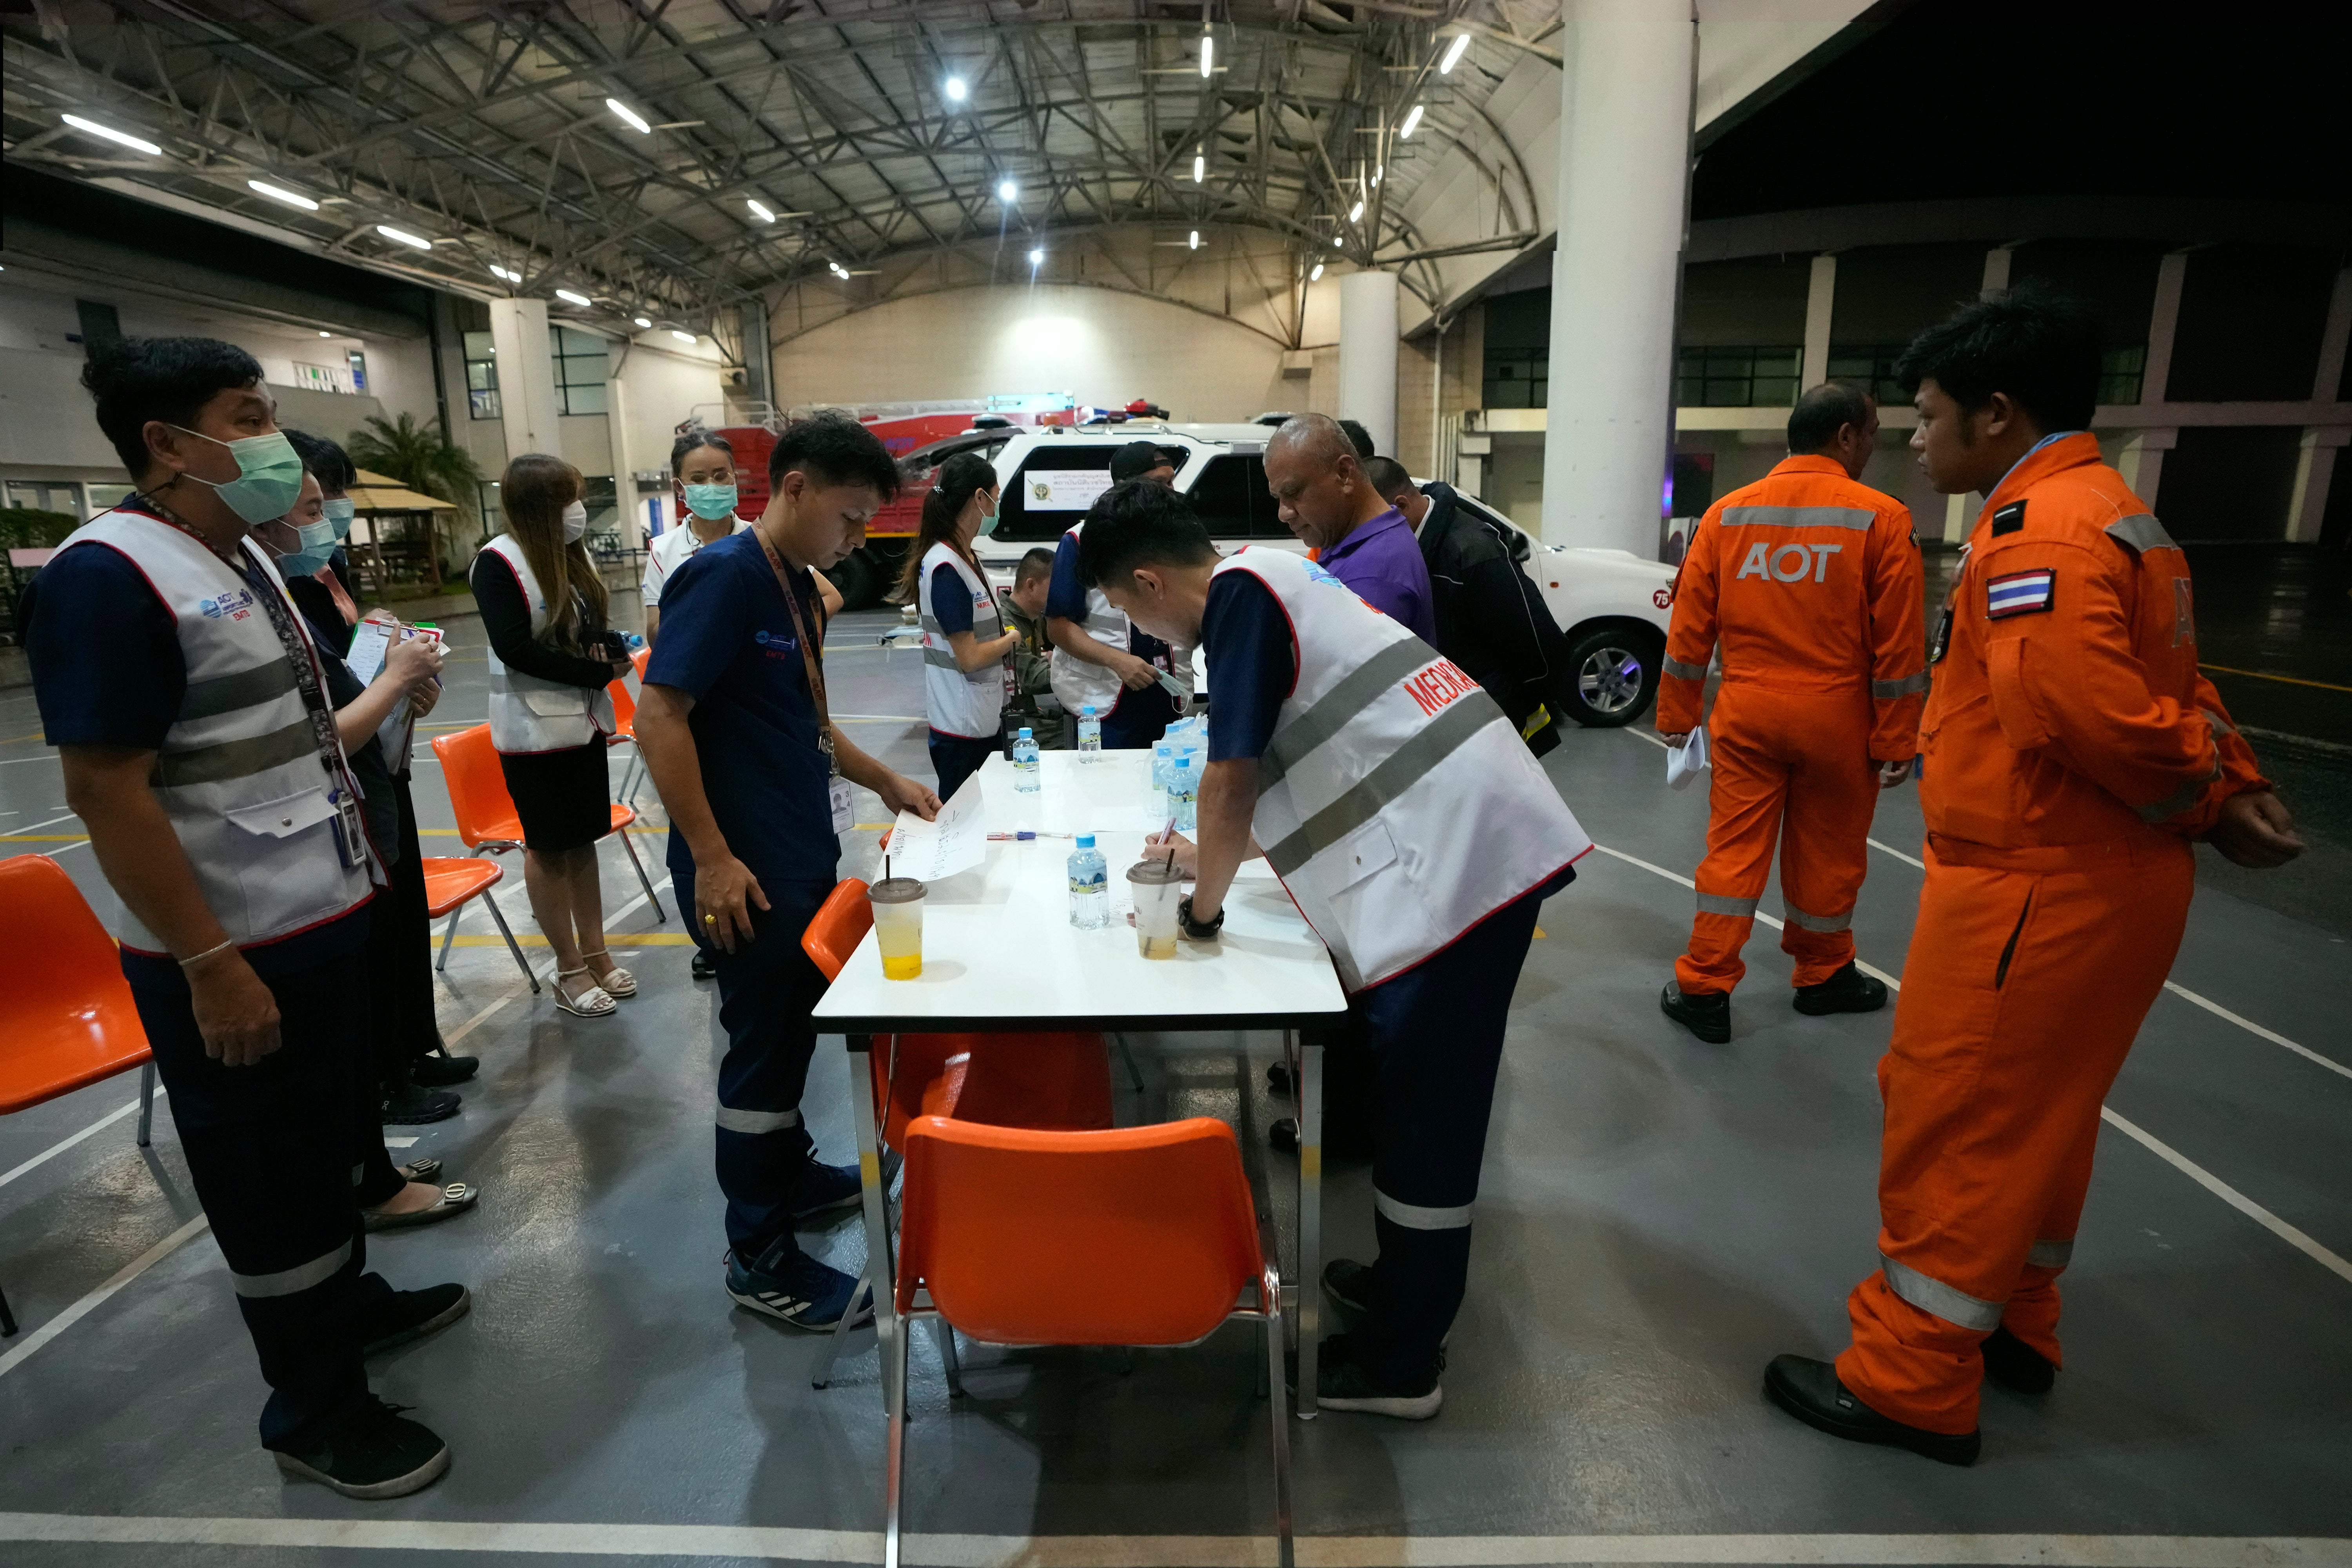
x=1611, y=604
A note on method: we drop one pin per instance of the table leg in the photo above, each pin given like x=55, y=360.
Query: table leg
x=875, y=1202
x=1310, y=1221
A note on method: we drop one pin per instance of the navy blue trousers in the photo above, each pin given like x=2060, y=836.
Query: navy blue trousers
x=766, y=989
x=274, y=1150
x=1434, y=1036
x=955, y=758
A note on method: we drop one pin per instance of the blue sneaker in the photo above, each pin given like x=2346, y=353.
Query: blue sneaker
x=824, y=1188
x=810, y=1295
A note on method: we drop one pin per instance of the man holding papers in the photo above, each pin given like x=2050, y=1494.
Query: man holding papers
x=1418, y=837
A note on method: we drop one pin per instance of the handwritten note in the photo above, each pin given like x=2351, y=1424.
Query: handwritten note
x=957, y=841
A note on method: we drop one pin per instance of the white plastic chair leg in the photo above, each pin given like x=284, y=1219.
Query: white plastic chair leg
x=643, y=881
x=512, y=946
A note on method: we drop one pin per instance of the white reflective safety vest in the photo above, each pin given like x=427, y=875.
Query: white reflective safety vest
x=1395, y=801
x=956, y=703
x=529, y=713
x=240, y=774
x=1076, y=683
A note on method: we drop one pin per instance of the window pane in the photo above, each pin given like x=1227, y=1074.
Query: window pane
x=478, y=345
x=587, y=399
x=484, y=404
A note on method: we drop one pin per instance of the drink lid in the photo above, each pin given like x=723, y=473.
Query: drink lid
x=1024, y=732
x=1088, y=710
x=1086, y=840
x=1155, y=871
x=895, y=890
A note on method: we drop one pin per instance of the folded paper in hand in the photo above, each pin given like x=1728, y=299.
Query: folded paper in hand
x=955, y=841
x=1687, y=761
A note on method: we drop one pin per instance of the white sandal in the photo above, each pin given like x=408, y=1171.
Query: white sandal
x=595, y=1003
x=615, y=982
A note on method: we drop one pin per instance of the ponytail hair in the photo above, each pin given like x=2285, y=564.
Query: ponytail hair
x=960, y=478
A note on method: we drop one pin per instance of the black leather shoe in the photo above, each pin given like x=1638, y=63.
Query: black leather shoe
x=1812, y=1391
x=406, y=1105
x=412, y=1315
x=1706, y=1014
x=1847, y=990
x=438, y=1070
x=1347, y=1285
x=371, y=1452
x=702, y=968
x=1278, y=1080
x=2016, y=1365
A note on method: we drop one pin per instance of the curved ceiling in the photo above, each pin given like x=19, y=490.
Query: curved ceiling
x=484, y=129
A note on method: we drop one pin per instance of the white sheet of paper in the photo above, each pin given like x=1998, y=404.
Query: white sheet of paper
x=958, y=841
x=1687, y=761
x=370, y=640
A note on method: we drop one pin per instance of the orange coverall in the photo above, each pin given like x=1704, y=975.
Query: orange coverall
x=2072, y=751
x=1811, y=584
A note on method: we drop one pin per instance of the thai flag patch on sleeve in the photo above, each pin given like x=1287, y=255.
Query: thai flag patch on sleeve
x=2019, y=593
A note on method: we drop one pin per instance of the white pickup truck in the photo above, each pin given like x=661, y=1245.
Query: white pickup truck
x=1611, y=604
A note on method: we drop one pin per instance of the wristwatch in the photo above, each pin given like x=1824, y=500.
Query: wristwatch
x=1197, y=931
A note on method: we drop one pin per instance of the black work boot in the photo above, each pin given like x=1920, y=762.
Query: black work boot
x=1847, y=990
x=2016, y=1365
x=370, y=1451
x=702, y=968
x=1813, y=1392
x=1706, y=1014
x=406, y=1104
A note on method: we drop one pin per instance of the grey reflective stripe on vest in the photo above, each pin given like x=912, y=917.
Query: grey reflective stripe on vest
x=1725, y=904
x=1903, y=688
x=2221, y=726
x=293, y=1282
x=1349, y=695
x=1859, y=518
x=245, y=689
x=1935, y=1297
x=1112, y=624
x=1397, y=772
x=735, y=1121
x=1682, y=671
x=2051, y=1254
x=1413, y=1216
x=1827, y=925
x=238, y=759
x=930, y=624
x=943, y=660
x=2142, y=533
x=2175, y=804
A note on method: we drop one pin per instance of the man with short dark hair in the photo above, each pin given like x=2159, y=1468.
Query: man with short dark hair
x=1358, y=436
x=741, y=744
x=189, y=706
x=1810, y=583
x=1100, y=660
x=1033, y=703
x=1323, y=710
x=1323, y=497
x=2072, y=752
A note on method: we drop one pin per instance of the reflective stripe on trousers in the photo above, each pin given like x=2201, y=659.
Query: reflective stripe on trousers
x=1886, y=689
x=1932, y=1295
x=1415, y=1216
x=1825, y=925
x=735, y=1121
x=1739, y=909
x=289, y=1281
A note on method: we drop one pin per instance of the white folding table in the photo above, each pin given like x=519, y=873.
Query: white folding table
x=1000, y=954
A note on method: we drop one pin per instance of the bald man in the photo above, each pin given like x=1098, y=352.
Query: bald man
x=1325, y=498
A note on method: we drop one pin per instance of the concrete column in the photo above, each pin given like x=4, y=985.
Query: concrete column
x=1996, y=272
x=2314, y=461
x=1820, y=301
x=526, y=376
x=1368, y=354
x=616, y=436
x=752, y=322
x=1625, y=172
x=2171, y=272
x=2141, y=461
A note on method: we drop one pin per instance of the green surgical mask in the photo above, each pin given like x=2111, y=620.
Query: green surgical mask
x=710, y=502
x=340, y=512
x=269, y=475
x=990, y=519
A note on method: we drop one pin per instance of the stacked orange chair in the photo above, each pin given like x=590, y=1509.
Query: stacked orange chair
x=486, y=820
x=449, y=882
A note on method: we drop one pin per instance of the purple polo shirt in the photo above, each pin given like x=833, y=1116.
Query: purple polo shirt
x=1380, y=560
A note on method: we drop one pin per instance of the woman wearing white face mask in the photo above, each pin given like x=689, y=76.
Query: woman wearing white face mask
x=543, y=609
x=967, y=645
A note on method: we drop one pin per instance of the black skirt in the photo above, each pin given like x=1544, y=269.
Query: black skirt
x=564, y=798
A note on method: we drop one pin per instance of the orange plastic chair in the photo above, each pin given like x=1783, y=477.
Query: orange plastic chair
x=1137, y=1235
x=67, y=1020
x=1059, y=1080
x=449, y=882
x=486, y=820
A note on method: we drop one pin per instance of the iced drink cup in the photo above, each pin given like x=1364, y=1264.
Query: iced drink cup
x=1158, y=888
x=898, y=926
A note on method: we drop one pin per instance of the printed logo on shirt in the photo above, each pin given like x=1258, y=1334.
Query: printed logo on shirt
x=2019, y=593
x=1789, y=563
x=779, y=645
x=234, y=604
x=1439, y=686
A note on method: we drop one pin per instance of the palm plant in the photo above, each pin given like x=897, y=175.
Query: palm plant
x=419, y=457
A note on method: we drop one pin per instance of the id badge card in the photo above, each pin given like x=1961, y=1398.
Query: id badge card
x=351, y=837
x=838, y=787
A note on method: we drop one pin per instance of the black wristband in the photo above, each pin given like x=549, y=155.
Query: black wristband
x=1198, y=930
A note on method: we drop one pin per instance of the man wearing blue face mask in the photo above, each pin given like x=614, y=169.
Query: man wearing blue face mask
x=189, y=706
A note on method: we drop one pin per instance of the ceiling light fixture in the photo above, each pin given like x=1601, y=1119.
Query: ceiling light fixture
x=111, y=134
x=681, y=337
x=1199, y=166
x=1336, y=240
x=759, y=211
x=1454, y=53
x=326, y=334
x=1037, y=257
x=1317, y=275
x=643, y=321
x=404, y=237
x=280, y=193
x=499, y=272
x=628, y=117
x=1007, y=190
x=570, y=297
x=1208, y=52
x=1411, y=125
x=1355, y=213
x=1377, y=170
x=956, y=89
x=1196, y=240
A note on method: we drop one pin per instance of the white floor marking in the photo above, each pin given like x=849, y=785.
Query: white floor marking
x=777, y=1543
x=1890, y=849
x=108, y=1120
x=36, y=827
x=2254, y=1028
x=2232, y=1197
x=400, y=1143
x=18, y=1354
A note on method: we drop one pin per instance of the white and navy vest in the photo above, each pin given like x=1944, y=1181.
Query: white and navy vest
x=960, y=704
x=241, y=774
x=1077, y=684
x=1395, y=801
x=529, y=713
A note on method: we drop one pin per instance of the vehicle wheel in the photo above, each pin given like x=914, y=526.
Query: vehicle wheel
x=857, y=580
x=1613, y=676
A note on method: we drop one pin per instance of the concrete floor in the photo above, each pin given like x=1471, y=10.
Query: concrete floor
x=1658, y=1218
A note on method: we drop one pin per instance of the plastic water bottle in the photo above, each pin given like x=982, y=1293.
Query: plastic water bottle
x=1089, y=732
x=1024, y=763
x=1184, y=796
x=1089, y=886
x=1163, y=763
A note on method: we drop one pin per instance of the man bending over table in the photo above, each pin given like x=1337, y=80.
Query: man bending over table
x=1419, y=839
x=756, y=775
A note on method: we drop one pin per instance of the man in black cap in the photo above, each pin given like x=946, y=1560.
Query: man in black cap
x=1142, y=460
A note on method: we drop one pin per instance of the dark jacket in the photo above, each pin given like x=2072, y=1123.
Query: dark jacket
x=1491, y=619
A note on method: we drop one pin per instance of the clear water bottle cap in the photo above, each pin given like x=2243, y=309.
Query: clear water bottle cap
x=1086, y=840
x=1088, y=711
x=1024, y=732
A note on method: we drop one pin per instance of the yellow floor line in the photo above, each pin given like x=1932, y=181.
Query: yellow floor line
x=2284, y=679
